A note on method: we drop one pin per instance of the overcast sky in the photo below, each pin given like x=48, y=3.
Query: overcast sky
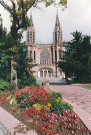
x=77, y=16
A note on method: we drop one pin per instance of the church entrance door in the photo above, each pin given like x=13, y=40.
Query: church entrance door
x=43, y=72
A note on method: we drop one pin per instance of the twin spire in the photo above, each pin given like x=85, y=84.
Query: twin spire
x=57, y=23
x=57, y=33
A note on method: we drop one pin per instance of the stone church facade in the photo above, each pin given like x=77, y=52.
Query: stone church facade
x=46, y=55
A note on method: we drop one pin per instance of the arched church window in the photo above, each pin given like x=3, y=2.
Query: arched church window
x=45, y=72
x=58, y=34
x=44, y=57
x=34, y=56
x=55, y=37
x=55, y=56
x=59, y=54
x=50, y=73
x=27, y=36
x=41, y=73
x=30, y=35
x=30, y=54
x=33, y=37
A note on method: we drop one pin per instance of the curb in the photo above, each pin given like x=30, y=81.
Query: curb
x=83, y=115
x=9, y=125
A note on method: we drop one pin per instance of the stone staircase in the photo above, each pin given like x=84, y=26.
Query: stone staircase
x=52, y=81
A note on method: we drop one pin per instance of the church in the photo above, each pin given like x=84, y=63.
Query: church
x=46, y=56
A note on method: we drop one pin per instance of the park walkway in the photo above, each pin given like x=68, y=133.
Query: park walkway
x=76, y=94
x=80, y=98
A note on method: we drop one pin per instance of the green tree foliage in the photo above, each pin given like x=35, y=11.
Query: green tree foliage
x=4, y=56
x=25, y=76
x=18, y=12
x=76, y=61
x=4, y=85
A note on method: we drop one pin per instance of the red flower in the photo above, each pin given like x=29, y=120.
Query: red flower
x=30, y=101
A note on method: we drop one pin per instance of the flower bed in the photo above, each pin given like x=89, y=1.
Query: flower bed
x=44, y=112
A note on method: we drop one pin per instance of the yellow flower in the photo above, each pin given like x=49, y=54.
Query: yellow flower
x=52, y=90
x=9, y=97
x=57, y=100
x=49, y=105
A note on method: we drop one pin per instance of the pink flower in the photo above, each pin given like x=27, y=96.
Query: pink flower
x=22, y=103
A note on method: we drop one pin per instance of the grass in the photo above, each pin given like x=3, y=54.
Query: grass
x=4, y=84
x=87, y=86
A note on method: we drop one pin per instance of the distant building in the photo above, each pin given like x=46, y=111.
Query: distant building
x=46, y=55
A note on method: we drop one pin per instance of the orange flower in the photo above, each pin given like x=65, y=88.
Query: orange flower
x=14, y=108
x=49, y=105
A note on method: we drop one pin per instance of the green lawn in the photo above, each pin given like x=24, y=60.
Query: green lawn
x=87, y=86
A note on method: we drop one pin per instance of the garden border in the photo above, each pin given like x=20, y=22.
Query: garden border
x=9, y=125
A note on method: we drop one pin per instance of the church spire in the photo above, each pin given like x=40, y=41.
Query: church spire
x=31, y=19
x=57, y=34
x=57, y=23
x=31, y=32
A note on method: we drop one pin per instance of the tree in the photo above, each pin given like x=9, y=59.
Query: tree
x=24, y=73
x=4, y=58
x=76, y=59
x=25, y=76
x=18, y=12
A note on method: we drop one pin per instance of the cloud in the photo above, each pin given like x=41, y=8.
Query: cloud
x=75, y=17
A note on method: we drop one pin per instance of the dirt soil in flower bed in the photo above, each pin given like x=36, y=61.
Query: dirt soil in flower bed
x=29, y=121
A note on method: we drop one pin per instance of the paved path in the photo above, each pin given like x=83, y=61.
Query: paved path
x=76, y=94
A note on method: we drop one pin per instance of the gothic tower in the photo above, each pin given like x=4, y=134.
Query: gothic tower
x=57, y=34
x=57, y=42
x=31, y=33
x=31, y=40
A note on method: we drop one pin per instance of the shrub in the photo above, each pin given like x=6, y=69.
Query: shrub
x=83, y=79
x=56, y=95
x=23, y=100
x=58, y=106
x=34, y=83
x=27, y=80
x=4, y=84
